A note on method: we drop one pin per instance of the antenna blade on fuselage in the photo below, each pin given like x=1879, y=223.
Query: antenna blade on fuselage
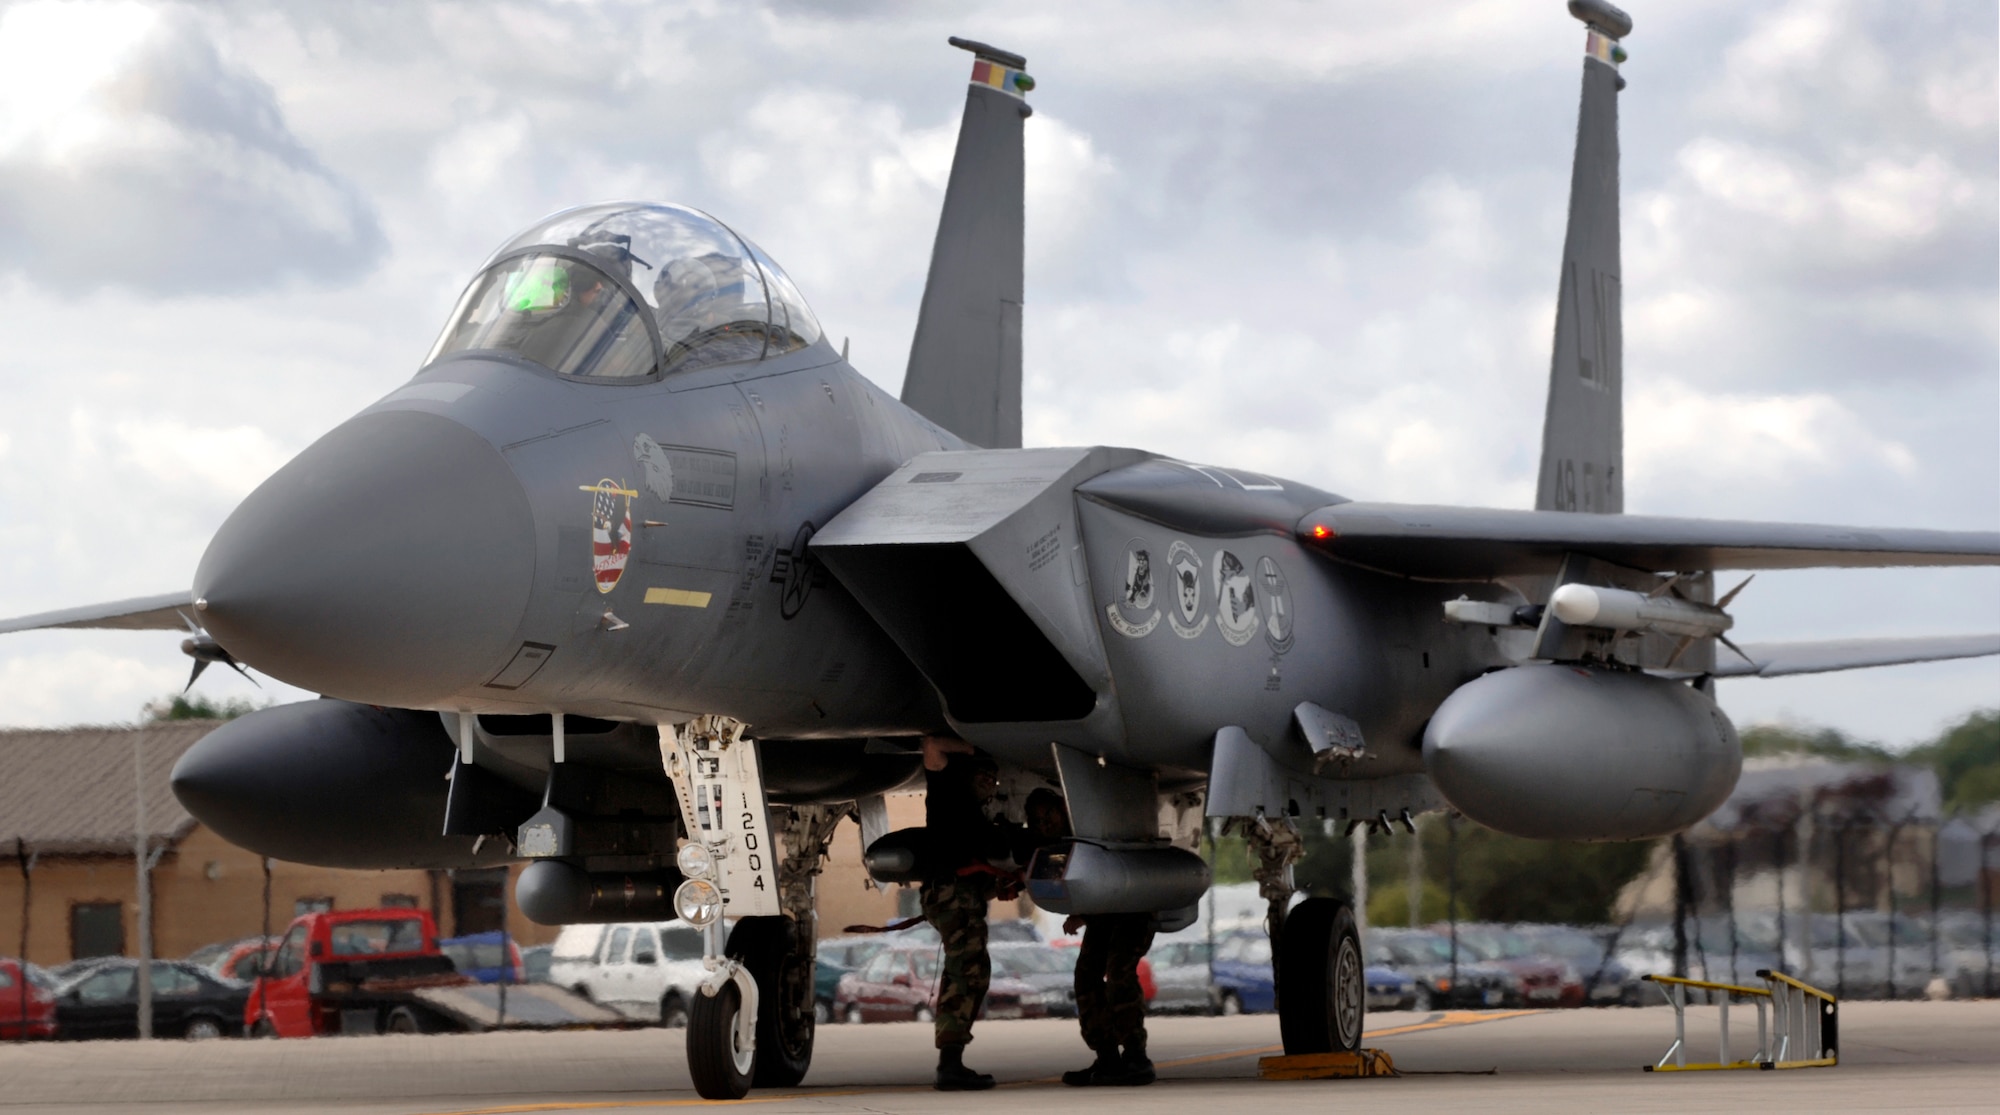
x=965, y=361
x=1583, y=431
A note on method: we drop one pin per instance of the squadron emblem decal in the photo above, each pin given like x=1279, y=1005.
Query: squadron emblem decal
x=610, y=531
x=1132, y=614
x=1186, y=568
x=1235, y=599
x=1277, y=601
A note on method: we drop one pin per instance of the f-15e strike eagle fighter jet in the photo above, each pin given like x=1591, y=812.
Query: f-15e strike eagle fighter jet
x=667, y=589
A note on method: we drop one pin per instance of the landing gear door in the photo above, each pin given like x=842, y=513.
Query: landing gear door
x=721, y=790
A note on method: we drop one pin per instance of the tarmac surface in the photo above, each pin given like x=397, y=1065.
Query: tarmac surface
x=1894, y=1056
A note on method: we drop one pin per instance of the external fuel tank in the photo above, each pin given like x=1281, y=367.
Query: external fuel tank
x=1564, y=752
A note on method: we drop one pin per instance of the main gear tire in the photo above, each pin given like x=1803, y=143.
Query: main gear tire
x=720, y=1068
x=1322, y=982
x=785, y=1024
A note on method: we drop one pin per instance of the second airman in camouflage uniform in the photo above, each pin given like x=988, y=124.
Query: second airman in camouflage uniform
x=957, y=786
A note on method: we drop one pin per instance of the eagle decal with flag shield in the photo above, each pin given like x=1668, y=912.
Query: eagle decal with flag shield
x=610, y=531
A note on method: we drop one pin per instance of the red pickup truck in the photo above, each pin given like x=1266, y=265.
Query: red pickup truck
x=349, y=972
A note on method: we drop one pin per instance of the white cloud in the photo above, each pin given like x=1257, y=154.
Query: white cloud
x=231, y=461
x=84, y=686
x=132, y=152
x=1675, y=436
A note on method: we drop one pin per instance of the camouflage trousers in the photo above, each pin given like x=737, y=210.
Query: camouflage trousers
x=957, y=910
x=1110, y=1005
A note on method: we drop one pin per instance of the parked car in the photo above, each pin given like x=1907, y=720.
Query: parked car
x=244, y=959
x=1605, y=982
x=649, y=971
x=535, y=963
x=1052, y=972
x=899, y=984
x=838, y=956
x=1014, y=931
x=1537, y=981
x=481, y=956
x=1389, y=989
x=1425, y=957
x=27, y=1001
x=69, y=970
x=1962, y=936
x=1906, y=953
x=1243, y=974
x=1181, y=978
x=349, y=972
x=189, y=1001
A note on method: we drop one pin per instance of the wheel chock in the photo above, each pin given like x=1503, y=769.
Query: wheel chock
x=1327, y=1066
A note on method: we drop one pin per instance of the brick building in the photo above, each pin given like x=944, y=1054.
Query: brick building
x=67, y=815
x=67, y=801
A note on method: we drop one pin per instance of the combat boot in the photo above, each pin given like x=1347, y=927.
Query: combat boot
x=1101, y=1071
x=1135, y=1068
x=953, y=1076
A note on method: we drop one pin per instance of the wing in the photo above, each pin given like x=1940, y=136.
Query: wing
x=1770, y=660
x=144, y=613
x=1475, y=543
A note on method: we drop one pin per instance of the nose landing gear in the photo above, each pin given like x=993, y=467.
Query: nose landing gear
x=752, y=1022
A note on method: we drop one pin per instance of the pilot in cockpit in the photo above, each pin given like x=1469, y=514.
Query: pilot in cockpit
x=711, y=302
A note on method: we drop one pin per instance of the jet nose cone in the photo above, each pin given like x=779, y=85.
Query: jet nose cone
x=389, y=563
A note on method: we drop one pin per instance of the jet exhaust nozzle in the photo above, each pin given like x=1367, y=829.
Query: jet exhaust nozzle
x=1084, y=877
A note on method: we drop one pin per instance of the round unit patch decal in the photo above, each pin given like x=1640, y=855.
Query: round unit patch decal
x=1185, y=566
x=1132, y=614
x=1277, y=605
x=1235, y=599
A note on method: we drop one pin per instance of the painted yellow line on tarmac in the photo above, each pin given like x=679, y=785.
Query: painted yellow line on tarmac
x=600, y=1105
x=1446, y=1020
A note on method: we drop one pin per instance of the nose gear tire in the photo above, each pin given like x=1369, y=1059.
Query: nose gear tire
x=785, y=1024
x=719, y=1069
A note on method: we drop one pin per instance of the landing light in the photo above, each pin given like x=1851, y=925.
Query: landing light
x=695, y=860
x=698, y=902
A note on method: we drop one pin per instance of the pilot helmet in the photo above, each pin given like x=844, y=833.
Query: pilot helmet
x=699, y=293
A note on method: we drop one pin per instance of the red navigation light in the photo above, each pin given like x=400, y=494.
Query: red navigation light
x=1320, y=531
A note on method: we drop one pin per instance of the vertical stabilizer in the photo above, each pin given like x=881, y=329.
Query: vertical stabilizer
x=965, y=362
x=1583, y=432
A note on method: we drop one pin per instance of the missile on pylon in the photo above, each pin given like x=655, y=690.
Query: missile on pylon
x=1619, y=609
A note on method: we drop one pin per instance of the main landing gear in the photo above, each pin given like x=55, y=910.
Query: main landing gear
x=1315, y=950
x=752, y=1022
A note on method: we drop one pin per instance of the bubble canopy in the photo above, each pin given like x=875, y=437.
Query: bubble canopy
x=627, y=290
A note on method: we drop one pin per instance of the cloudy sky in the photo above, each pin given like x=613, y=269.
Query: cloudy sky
x=1318, y=239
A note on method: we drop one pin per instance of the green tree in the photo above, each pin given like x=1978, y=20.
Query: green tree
x=1966, y=757
x=1827, y=743
x=183, y=707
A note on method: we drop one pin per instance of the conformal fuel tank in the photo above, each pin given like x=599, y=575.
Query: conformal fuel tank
x=1559, y=752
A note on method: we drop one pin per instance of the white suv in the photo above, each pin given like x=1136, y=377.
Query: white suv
x=643, y=970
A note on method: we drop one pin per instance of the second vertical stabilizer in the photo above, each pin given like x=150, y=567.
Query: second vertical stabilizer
x=1583, y=432
x=965, y=361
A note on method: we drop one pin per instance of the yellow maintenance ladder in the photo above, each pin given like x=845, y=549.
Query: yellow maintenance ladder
x=1801, y=1030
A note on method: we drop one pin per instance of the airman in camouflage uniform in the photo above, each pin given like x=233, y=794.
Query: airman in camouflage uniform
x=1110, y=1005
x=957, y=786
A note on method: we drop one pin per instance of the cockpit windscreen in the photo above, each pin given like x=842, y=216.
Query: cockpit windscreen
x=668, y=288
